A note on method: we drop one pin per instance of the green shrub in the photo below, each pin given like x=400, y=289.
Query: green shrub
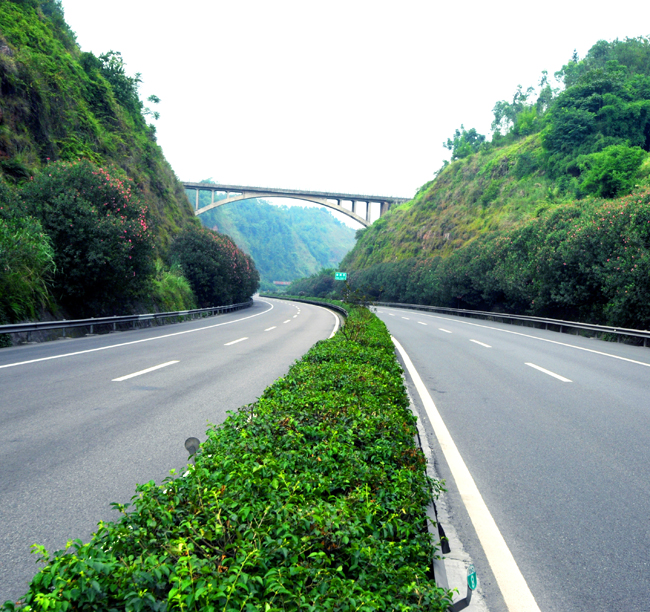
x=99, y=228
x=611, y=172
x=313, y=498
x=218, y=272
x=171, y=290
x=26, y=262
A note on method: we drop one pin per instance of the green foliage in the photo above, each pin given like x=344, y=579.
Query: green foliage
x=99, y=228
x=464, y=143
x=313, y=498
x=171, y=290
x=611, y=172
x=218, y=272
x=26, y=262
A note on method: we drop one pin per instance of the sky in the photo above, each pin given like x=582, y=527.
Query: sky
x=350, y=96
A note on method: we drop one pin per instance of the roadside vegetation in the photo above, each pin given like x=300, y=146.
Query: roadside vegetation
x=312, y=498
x=548, y=217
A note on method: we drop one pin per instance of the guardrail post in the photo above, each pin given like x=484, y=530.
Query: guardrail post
x=114, y=326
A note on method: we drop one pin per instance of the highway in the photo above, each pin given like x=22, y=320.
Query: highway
x=83, y=420
x=555, y=431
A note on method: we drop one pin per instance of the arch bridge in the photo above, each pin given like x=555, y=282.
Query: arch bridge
x=335, y=201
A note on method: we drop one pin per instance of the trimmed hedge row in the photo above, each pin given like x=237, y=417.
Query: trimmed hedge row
x=312, y=498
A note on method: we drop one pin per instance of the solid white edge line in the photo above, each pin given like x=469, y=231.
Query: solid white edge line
x=507, y=331
x=481, y=343
x=553, y=374
x=110, y=346
x=511, y=582
x=162, y=365
x=235, y=341
x=270, y=328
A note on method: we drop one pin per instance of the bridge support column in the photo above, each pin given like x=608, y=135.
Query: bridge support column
x=212, y=192
x=385, y=206
x=354, y=206
x=367, y=212
x=197, y=200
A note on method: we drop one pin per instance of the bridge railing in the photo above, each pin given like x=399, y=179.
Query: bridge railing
x=558, y=324
x=118, y=321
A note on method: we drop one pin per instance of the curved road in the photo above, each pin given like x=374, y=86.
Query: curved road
x=73, y=439
x=555, y=431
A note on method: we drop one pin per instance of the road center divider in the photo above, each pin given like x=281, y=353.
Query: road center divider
x=314, y=497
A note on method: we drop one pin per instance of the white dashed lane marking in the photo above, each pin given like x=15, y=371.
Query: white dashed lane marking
x=553, y=374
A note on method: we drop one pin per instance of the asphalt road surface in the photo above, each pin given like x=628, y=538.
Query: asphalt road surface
x=555, y=431
x=73, y=439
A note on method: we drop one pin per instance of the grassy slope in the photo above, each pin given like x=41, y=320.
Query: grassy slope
x=469, y=198
x=56, y=104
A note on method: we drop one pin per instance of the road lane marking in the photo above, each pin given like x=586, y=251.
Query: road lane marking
x=390, y=314
x=294, y=316
x=270, y=328
x=235, y=341
x=110, y=346
x=406, y=318
x=420, y=322
x=481, y=343
x=507, y=331
x=162, y=365
x=511, y=582
x=444, y=330
x=287, y=321
x=553, y=374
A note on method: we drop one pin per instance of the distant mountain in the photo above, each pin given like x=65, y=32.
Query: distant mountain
x=286, y=242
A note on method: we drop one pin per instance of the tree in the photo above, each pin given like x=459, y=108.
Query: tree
x=464, y=143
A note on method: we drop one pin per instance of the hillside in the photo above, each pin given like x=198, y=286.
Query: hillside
x=93, y=220
x=286, y=242
x=548, y=217
x=59, y=103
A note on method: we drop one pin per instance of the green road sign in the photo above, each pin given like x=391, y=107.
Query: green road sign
x=340, y=276
x=471, y=578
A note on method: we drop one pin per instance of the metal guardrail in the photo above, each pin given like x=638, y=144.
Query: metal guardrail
x=338, y=309
x=507, y=318
x=93, y=323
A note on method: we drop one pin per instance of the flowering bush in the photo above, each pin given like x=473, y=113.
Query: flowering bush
x=217, y=270
x=99, y=228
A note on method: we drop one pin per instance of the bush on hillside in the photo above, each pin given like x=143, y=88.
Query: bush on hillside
x=100, y=232
x=26, y=262
x=611, y=172
x=218, y=272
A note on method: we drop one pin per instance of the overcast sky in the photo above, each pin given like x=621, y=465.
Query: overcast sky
x=354, y=96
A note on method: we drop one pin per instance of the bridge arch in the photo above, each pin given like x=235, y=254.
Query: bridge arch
x=333, y=201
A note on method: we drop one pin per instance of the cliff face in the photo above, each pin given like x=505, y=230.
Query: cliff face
x=59, y=103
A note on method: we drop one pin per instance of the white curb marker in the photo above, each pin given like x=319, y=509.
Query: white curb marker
x=511, y=582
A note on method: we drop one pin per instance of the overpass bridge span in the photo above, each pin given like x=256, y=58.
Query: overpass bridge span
x=333, y=200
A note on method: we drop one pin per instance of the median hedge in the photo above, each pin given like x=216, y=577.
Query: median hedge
x=312, y=498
